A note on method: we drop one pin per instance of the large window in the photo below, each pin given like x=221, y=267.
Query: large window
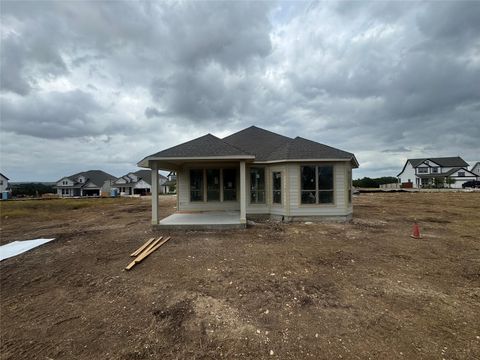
x=229, y=185
x=316, y=184
x=423, y=170
x=277, y=187
x=257, y=185
x=213, y=185
x=196, y=185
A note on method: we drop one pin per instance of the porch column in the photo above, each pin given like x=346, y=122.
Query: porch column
x=154, y=193
x=243, y=193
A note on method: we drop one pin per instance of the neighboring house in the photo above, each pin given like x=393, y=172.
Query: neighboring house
x=257, y=172
x=137, y=183
x=4, y=185
x=87, y=183
x=440, y=172
x=476, y=168
x=169, y=186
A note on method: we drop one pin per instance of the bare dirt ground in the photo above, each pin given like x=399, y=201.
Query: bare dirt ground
x=279, y=291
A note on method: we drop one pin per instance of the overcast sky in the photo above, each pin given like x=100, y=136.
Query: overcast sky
x=100, y=85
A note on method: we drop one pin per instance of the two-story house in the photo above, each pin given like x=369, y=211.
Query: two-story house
x=138, y=183
x=439, y=172
x=86, y=183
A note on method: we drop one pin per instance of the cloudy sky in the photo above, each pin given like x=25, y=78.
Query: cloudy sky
x=100, y=85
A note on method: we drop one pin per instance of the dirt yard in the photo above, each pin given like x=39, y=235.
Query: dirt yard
x=362, y=290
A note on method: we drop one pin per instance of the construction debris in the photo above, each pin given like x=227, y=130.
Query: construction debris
x=148, y=248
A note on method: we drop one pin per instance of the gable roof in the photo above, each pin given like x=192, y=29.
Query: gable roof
x=253, y=143
x=4, y=176
x=456, y=161
x=475, y=165
x=97, y=177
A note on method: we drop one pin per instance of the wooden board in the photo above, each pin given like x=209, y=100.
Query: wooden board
x=141, y=248
x=154, y=246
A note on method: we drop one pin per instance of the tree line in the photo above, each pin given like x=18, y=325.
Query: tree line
x=367, y=182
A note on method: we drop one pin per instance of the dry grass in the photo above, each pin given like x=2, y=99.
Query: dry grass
x=50, y=208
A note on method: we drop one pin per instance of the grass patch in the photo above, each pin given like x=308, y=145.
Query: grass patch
x=51, y=207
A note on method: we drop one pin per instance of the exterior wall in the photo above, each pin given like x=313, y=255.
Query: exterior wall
x=290, y=206
x=3, y=183
x=476, y=169
x=408, y=174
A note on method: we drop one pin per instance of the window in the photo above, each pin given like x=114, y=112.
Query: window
x=316, y=184
x=423, y=170
x=308, y=175
x=1, y=182
x=434, y=170
x=229, y=185
x=461, y=173
x=257, y=185
x=325, y=184
x=277, y=187
x=213, y=185
x=196, y=185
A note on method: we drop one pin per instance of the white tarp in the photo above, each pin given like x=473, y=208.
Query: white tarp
x=17, y=247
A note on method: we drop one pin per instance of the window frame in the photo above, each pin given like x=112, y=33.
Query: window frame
x=204, y=170
x=264, y=202
x=317, y=190
x=273, y=172
x=222, y=179
x=202, y=187
x=422, y=168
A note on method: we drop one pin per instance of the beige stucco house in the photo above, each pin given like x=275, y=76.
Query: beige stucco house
x=254, y=172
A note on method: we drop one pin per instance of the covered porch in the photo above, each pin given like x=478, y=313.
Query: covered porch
x=203, y=209
x=208, y=220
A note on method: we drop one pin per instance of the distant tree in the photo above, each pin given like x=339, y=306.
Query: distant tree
x=367, y=182
x=449, y=181
x=438, y=182
x=31, y=189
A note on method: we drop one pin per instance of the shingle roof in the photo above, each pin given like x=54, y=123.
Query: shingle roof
x=147, y=175
x=204, y=146
x=456, y=161
x=300, y=148
x=98, y=177
x=257, y=141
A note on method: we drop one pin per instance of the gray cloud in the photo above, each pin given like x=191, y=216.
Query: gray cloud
x=52, y=115
x=374, y=78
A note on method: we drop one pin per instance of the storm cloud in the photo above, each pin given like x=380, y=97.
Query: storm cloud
x=121, y=80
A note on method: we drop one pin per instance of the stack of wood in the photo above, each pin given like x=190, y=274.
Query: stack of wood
x=146, y=249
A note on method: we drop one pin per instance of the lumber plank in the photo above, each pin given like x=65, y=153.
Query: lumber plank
x=140, y=256
x=156, y=244
x=141, y=248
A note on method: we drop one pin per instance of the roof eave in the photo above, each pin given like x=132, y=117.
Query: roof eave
x=145, y=162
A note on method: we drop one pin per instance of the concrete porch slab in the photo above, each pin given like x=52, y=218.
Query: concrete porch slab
x=208, y=220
